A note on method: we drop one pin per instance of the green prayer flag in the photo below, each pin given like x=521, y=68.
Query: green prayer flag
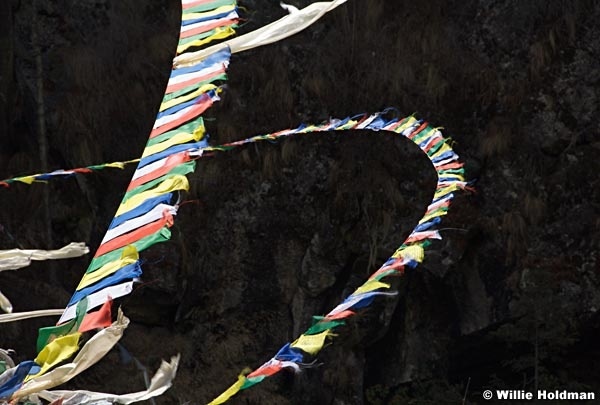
x=181, y=169
x=250, y=381
x=161, y=236
x=49, y=333
x=323, y=326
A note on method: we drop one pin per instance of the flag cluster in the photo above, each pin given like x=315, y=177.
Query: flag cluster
x=151, y=201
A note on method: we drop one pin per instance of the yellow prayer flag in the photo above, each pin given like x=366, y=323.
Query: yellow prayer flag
x=433, y=215
x=206, y=14
x=454, y=176
x=55, y=352
x=186, y=97
x=116, y=165
x=179, y=138
x=129, y=256
x=220, y=33
x=442, y=149
x=349, y=125
x=26, y=179
x=177, y=182
x=413, y=252
x=311, y=344
x=409, y=122
x=199, y=131
x=307, y=129
x=370, y=285
x=231, y=391
x=446, y=190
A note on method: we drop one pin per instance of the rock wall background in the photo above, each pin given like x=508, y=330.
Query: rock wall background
x=277, y=233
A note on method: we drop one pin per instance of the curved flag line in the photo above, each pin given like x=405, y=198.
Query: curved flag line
x=450, y=176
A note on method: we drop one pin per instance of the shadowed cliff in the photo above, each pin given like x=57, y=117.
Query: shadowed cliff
x=276, y=233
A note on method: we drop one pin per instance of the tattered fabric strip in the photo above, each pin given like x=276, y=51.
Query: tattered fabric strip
x=276, y=31
x=161, y=381
x=57, y=351
x=5, y=304
x=19, y=316
x=17, y=258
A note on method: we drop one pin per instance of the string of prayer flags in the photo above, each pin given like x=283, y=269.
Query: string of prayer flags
x=148, y=208
x=409, y=254
x=44, y=177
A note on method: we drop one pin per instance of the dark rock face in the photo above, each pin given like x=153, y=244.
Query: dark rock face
x=277, y=233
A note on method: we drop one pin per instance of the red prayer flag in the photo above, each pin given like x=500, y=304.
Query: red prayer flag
x=98, y=319
x=267, y=371
x=82, y=170
x=340, y=315
x=171, y=162
x=131, y=237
